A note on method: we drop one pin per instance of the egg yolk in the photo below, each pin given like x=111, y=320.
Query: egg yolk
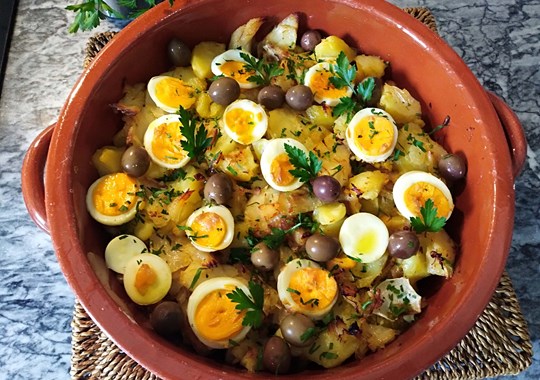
x=115, y=194
x=279, y=169
x=374, y=135
x=145, y=278
x=236, y=70
x=166, y=145
x=312, y=288
x=173, y=92
x=242, y=123
x=322, y=87
x=208, y=229
x=416, y=196
x=216, y=317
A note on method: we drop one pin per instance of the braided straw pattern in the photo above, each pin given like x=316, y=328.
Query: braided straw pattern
x=498, y=344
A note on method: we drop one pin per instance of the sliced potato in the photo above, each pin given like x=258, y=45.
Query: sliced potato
x=202, y=55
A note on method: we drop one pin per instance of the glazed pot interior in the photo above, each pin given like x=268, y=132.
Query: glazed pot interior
x=419, y=61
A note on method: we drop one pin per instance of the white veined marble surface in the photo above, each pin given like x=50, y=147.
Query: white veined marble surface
x=498, y=39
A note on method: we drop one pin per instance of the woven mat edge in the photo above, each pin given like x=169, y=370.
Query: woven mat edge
x=475, y=357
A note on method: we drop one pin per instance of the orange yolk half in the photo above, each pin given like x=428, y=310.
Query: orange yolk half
x=173, y=92
x=279, y=169
x=216, y=317
x=374, y=135
x=145, y=278
x=236, y=70
x=321, y=86
x=416, y=196
x=166, y=144
x=242, y=123
x=209, y=229
x=115, y=194
x=312, y=288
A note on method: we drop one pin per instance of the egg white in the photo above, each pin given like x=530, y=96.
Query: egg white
x=361, y=227
x=155, y=292
x=200, y=292
x=121, y=249
x=152, y=83
x=317, y=95
x=227, y=56
x=108, y=220
x=272, y=149
x=408, y=179
x=285, y=296
x=227, y=217
x=351, y=138
x=149, y=137
x=260, y=127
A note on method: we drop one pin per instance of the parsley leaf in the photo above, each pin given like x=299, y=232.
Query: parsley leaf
x=365, y=89
x=306, y=167
x=196, y=137
x=346, y=106
x=345, y=73
x=429, y=222
x=262, y=72
x=253, y=305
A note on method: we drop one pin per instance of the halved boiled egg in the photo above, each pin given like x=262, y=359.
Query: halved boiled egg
x=413, y=189
x=112, y=199
x=305, y=287
x=162, y=141
x=121, y=249
x=213, y=316
x=245, y=121
x=275, y=164
x=372, y=135
x=231, y=64
x=210, y=228
x=318, y=79
x=169, y=93
x=364, y=237
x=147, y=279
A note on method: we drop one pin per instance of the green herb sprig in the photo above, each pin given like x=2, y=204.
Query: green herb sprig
x=196, y=137
x=89, y=13
x=253, y=305
x=344, y=75
x=263, y=71
x=429, y=222
x=306, y=167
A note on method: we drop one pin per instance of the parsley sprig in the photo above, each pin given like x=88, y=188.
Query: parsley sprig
x=90, y=12
x=305, y=167
x=196, y=137
x=263, y=71
x=429, y=222
x=344, y=75
x=253, y=305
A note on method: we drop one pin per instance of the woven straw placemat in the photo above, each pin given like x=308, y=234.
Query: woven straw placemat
x=498, y=344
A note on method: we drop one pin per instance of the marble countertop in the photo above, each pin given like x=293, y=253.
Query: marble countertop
x=498, y=39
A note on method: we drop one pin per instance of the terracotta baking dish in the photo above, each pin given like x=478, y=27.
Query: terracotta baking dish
x=57, y=170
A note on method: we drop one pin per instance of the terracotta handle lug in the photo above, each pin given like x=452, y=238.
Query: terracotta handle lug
x=33, y=168
x=515, y=136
